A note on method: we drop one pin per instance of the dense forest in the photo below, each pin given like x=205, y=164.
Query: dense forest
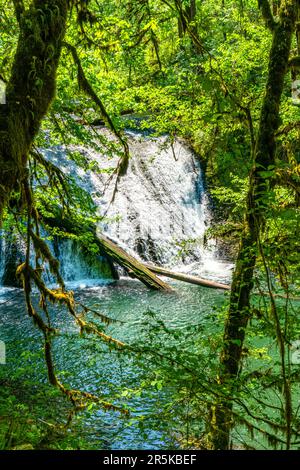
x=149, y=241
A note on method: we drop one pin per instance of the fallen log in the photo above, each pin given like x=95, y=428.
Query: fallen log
x=129, y=262
x=106, y=247
x=187, y=278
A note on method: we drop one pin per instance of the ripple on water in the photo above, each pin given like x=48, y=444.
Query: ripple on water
x=85, y=363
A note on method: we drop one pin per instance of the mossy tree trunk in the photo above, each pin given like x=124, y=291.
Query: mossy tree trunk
x=187, y=14
x=263, y=159
x=31, y=87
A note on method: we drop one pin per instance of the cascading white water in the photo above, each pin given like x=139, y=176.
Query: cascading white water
x=160, y=211
x=76, y=268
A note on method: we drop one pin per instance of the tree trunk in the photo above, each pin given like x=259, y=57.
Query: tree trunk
x=31, y=87
x=187, y=277
x=106, y=247
x=187, y=14
x=264, y=152
x=131, y=264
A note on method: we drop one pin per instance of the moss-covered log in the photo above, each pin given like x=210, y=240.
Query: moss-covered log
x=131, y=264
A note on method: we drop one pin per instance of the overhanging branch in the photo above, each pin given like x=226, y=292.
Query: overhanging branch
x=85, y=86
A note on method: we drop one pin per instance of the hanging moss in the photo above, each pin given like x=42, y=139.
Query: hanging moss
x=31, y=87
x=257, y=204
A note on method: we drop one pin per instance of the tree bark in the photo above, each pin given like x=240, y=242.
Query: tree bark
x=131, y=264
x=31, y=87
x=239, y=309
x=187, y=277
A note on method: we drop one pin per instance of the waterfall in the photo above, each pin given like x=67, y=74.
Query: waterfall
x=160, y=211
x=76, y=267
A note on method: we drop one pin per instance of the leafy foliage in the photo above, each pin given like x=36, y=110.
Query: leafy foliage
x=195, y=70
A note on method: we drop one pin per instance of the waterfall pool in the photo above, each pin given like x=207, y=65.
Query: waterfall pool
x=84, y=364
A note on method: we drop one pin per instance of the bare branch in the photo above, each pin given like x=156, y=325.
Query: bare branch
x=85, y=85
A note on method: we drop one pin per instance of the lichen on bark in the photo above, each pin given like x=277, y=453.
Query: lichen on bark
x=30, y=89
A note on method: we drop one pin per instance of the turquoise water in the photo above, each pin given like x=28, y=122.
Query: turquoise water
x=88, y=365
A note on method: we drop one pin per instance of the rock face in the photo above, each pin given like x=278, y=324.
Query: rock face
x=75, y=265
x=11, y=255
